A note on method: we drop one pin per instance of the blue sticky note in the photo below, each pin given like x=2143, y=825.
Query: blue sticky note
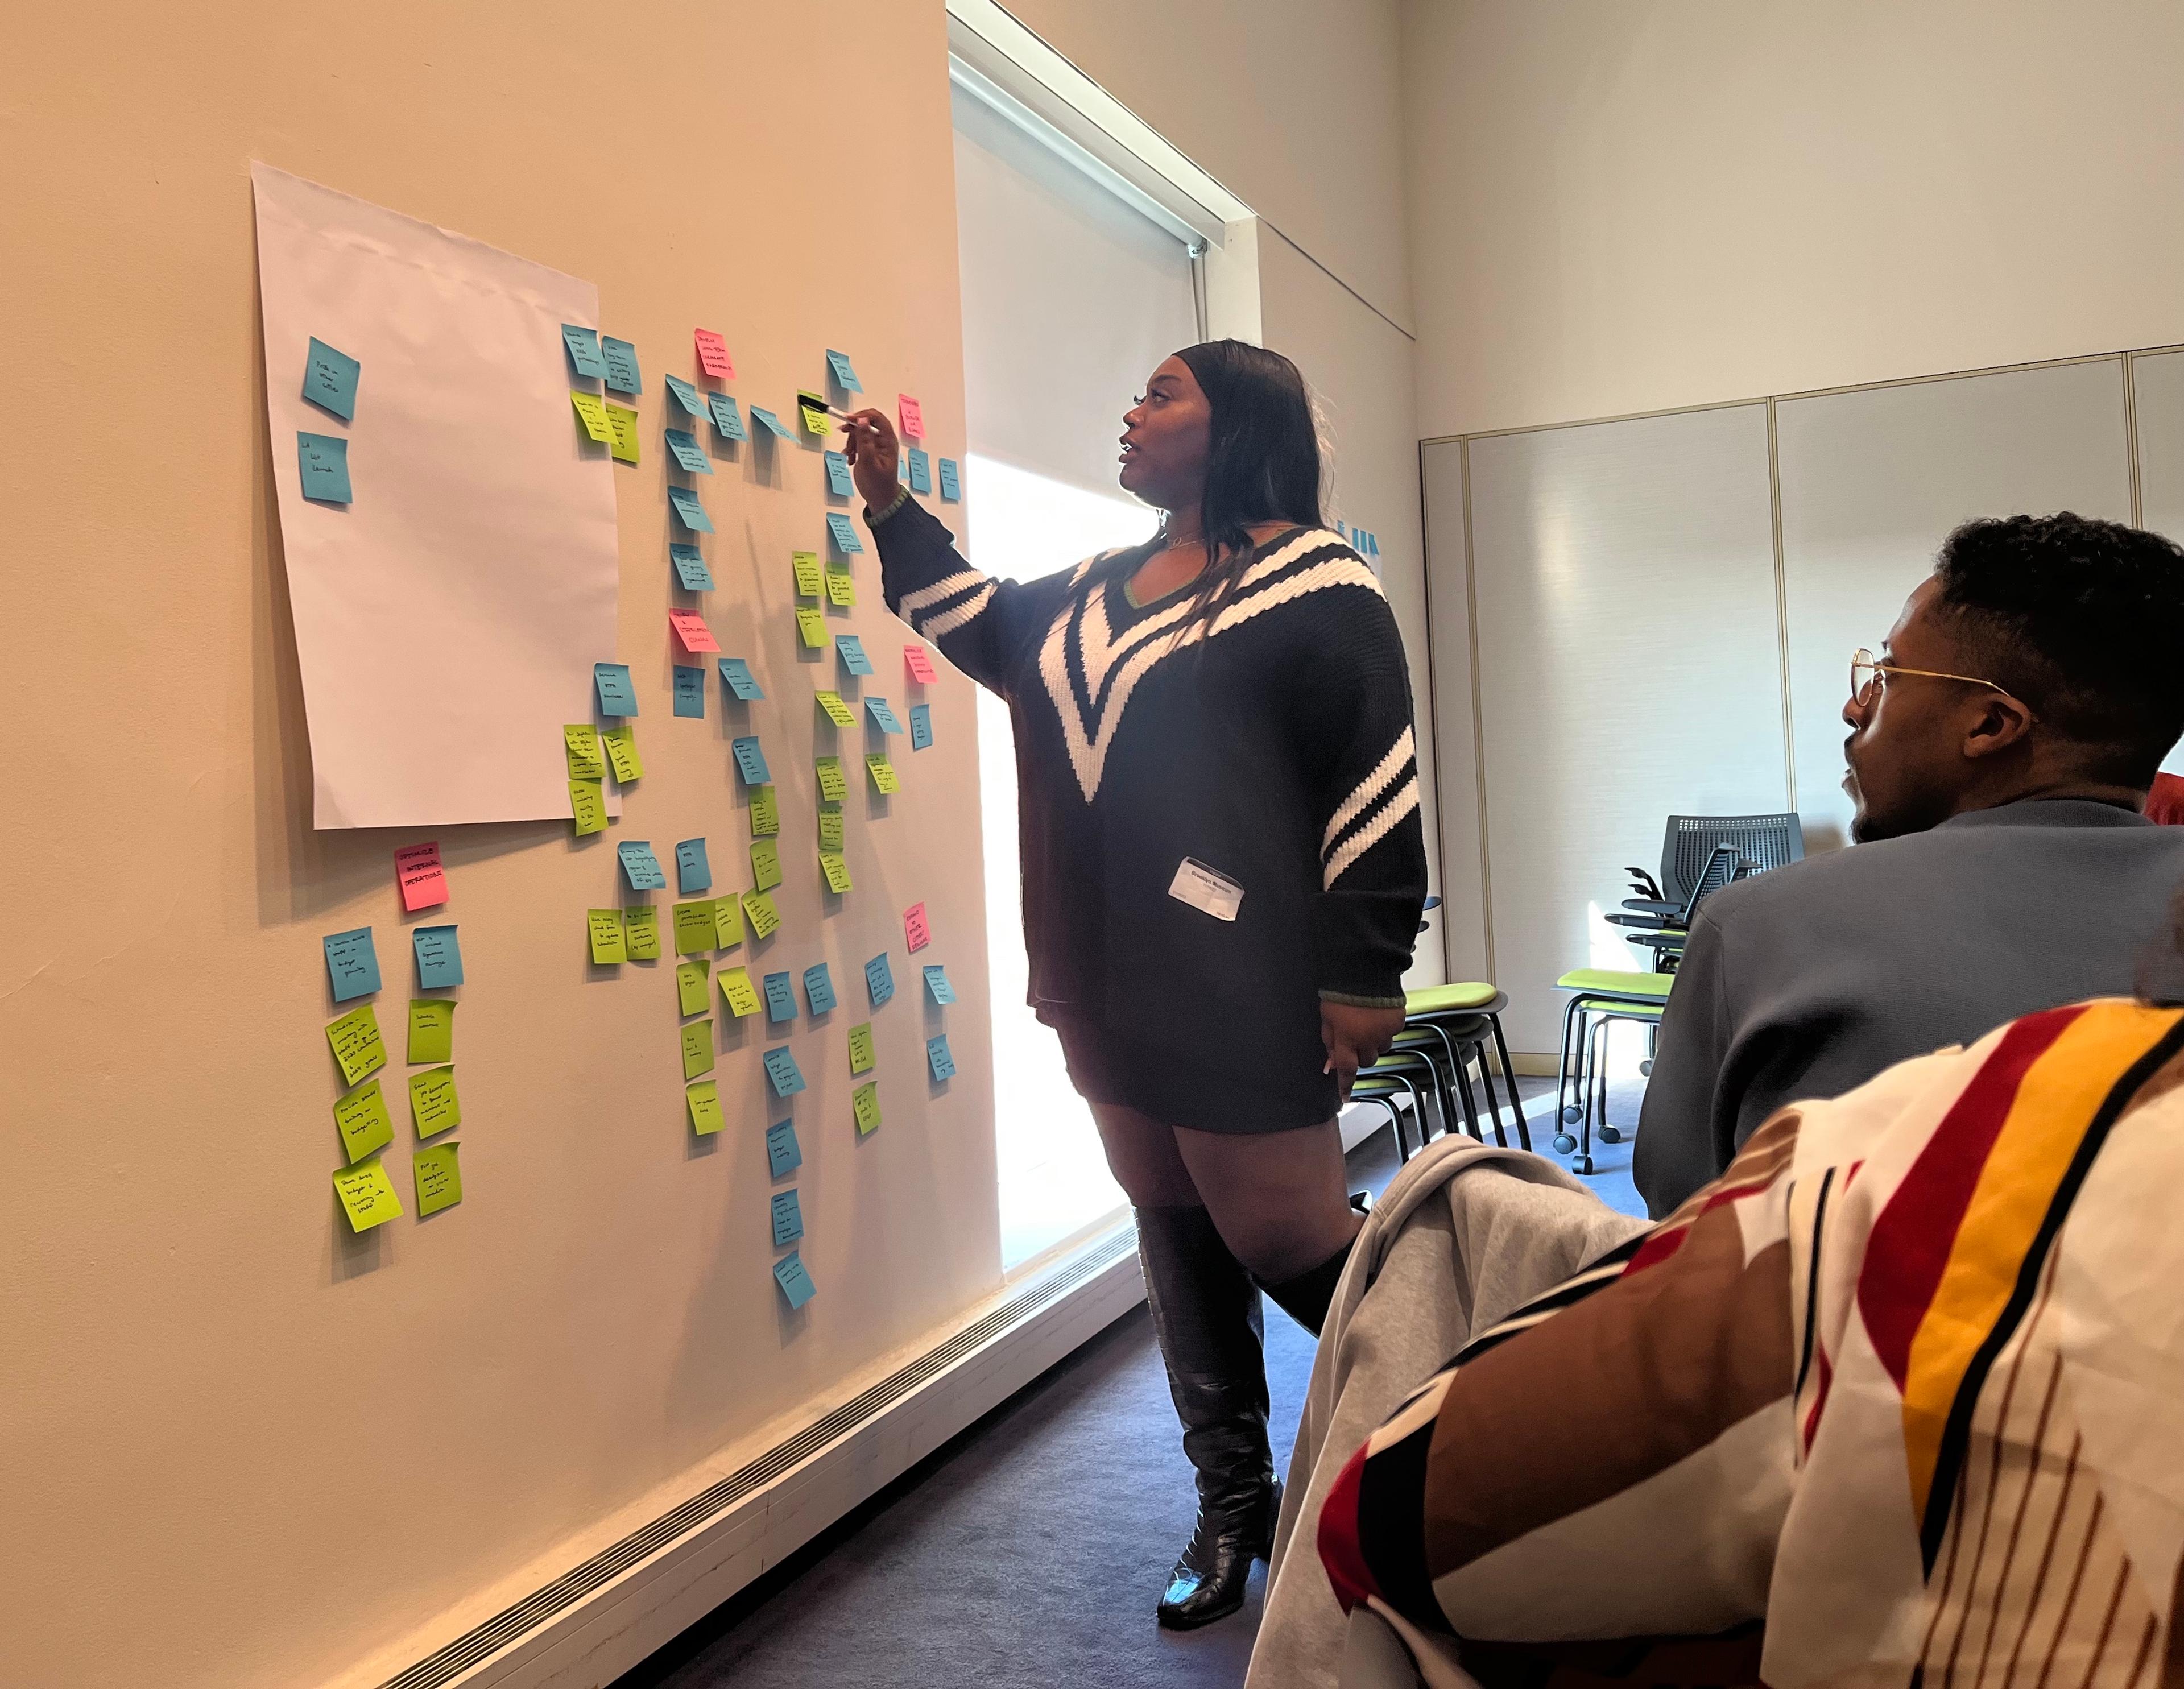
x=920, y=471
x=686, y=507
x=693, y=872
x=852, y=650
x=351, y=963
x=322, y=460
x=883, y=718
x=1374, y=540
x=837, y=474
x=685, y=395
x=690, y=567
x=740, y=680
x=843, y=531
x=787, y=1217
x=782, y=1069
x=767, y=420
x=750, y=761
x=844, y=376
x=617, y=697
x=642, y=866
x=936, y=982
x=921, y=726
x=780, y=1000
x=951, y=485
x=937, y=1058
x=726, y=417
x=583, y=344
x=686, y=451
x=902, y=470
x=879, y=978
x=795, y=1283
x=819, y=989
x=690, y=692
x=439, y=957
x=622, y=373
x=783, y=1154
x=329, y=380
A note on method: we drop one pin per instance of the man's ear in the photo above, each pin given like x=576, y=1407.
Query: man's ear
x=2001, y=722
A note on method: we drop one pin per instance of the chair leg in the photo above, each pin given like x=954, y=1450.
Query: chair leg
x=1509, y=1080
x=1477, y=1048
x=1470, y=1110
x=1571, y=1055
x=1440, y=1090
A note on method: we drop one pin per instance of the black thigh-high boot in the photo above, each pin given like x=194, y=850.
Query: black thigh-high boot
x=1205, y=1313
x=1306, y=1297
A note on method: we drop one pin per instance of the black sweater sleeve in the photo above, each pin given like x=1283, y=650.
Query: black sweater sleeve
x=1354, y=716
x=979, y=621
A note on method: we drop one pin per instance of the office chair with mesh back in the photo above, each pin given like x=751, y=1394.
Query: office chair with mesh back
x=1661, y=926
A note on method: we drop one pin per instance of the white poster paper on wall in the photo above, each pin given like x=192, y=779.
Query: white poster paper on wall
x=449, y=615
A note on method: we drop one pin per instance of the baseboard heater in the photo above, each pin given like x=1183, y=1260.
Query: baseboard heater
x=601, y=1617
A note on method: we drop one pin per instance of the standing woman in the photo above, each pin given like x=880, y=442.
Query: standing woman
x=1223, y=871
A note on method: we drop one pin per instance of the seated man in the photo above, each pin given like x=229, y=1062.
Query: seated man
x=2000, y=752
x=1897, y=1400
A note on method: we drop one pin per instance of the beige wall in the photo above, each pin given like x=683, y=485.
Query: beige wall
x=241, y=1448
x=1291, y=104
x=1619, y=207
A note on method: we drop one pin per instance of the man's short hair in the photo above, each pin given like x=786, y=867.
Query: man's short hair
x=2083, y=621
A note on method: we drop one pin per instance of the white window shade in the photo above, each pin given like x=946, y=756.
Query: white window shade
x=1070, y=299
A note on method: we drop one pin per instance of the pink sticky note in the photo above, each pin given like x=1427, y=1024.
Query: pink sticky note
x=914, y=928
x=423, y=884
x=690, y=628
x=920, y=664
x=713, y=355
x=913, y=417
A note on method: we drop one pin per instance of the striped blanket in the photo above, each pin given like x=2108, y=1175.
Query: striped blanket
x=1898, y=1400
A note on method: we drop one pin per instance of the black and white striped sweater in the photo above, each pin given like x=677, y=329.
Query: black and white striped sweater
x=1275, y=747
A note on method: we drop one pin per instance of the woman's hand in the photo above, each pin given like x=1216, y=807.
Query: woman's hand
x=1355, y=1037
x=873, y=453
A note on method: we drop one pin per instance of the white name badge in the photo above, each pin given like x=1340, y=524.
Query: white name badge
x=1206, y=888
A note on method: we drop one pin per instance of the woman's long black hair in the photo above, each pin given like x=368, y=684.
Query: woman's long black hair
x=1263, y=460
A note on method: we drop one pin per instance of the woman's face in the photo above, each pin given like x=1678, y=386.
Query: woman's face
x=1166, y=436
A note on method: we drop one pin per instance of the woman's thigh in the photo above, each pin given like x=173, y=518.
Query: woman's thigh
x=1142, y=1154
x=1281, y=1199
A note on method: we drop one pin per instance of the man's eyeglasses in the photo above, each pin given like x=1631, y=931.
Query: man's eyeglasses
x=1869, y=675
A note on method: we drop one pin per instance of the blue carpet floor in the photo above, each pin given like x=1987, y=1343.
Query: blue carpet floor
x=1028, y=1552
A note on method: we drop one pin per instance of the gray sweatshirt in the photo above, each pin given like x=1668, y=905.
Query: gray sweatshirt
x=1810, y=980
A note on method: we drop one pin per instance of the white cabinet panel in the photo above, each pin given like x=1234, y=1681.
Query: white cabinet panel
x=1872, y=479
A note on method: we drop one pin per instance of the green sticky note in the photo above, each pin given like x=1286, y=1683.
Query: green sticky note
x=765, y=813
x=861, y=1058
x=807, y=566
x=836, y=866
x=841, y=587
x=812, y=625
x=840, y=714
x=705, y=1100
x=690, y=982
x=832, y=787
x=766, y=864
x=609, y=943
x=882, y=773
x=764, y=918
x=830, y=826
x=621, y=752
x=693, y=928
x=433, y=1104
x=432, y=1029
x=697, y=1048
x=367, y=1195
x=621, y=424
x=589, y=804
x=864, y=1103
x=587, y=758
x=592, y=412
x=641, y=932
x=356, y=1044
x=727, y=923
x=362, y=1118
x=737, y=992
x=440, y=1178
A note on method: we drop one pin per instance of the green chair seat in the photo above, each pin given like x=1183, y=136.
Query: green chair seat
x=1622, y=1008
x=1433, y=1000
x=1615, y=983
